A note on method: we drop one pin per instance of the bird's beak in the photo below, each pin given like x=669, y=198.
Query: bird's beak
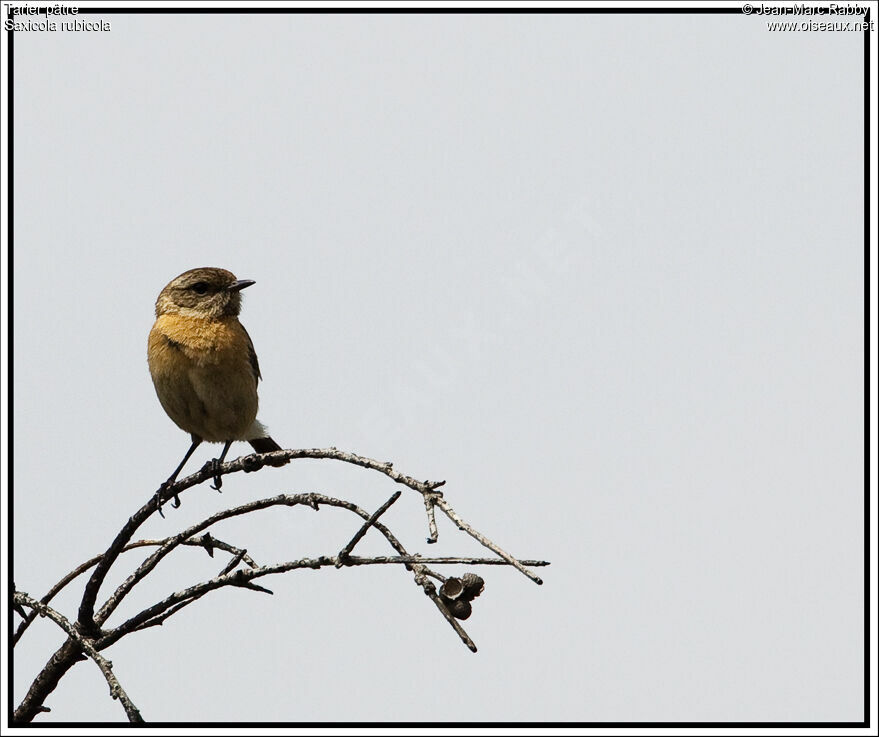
x=237, y=286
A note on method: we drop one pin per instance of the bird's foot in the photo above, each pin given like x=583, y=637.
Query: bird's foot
x=218, y=480
x=161, y=492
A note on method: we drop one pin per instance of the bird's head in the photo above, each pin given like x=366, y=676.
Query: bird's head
x=206, y=292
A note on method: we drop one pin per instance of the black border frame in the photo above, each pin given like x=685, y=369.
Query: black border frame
x=442, y=11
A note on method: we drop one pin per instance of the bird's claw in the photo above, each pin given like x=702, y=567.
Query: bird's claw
x=157, y=500
x=158, y=497
x=215, y=469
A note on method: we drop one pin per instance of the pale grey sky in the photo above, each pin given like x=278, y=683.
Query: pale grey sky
x=604, y=274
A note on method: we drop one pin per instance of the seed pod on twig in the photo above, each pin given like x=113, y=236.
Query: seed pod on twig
x=452, y=588
x=459, y=608
x=473, y=586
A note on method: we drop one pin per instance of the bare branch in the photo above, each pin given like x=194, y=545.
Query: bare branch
x=82, y=568
x=343, y=554
x=238, y=577
x=86, y=616
x=88, y=627
x=152, y=561
x=421, y=578
x=256, y=461
x=211, y=470
x=462, y=525
x=234, y=578
x=160, y=619
x=354, y=560
x=429, y=503
x=116, y=690
x=234, y=562
x=172, y=542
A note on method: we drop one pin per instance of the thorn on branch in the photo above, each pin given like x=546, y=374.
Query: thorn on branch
x=241, y=580
x=208, y=543
x=255, y=587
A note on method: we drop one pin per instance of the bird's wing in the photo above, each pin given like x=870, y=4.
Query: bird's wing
x=251, y=354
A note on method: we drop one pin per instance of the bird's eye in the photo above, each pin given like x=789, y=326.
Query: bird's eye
x=199, y=287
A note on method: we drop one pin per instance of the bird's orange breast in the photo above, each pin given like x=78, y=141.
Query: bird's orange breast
x=203, y=375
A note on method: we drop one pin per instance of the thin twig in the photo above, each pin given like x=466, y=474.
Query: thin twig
x=89, y=624
x=313, y=500
x=86, y=614
x=385, y=560
x=87, y=646
x=429, y=502
x=232, y=563
x=160, y=619
x=125, y=587
x=430, y=590
x=172, y=542
x=210, y=470
x=462, y=525
x=256, y=461
x=239, y=577
x=354, y=560
x=83, y=567
x=234, y=578
x=343, y=554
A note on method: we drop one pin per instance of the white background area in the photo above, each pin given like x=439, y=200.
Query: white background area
x=602, y=273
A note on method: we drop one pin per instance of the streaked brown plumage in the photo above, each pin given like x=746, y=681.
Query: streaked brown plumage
x=203, y=363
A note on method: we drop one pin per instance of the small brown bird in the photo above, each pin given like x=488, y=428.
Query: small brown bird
x=203, y=363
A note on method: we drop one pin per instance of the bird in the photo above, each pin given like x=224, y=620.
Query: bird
x=204, y=366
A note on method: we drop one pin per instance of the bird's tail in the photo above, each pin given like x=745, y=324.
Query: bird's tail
x=264, y=445
x=258, y=437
